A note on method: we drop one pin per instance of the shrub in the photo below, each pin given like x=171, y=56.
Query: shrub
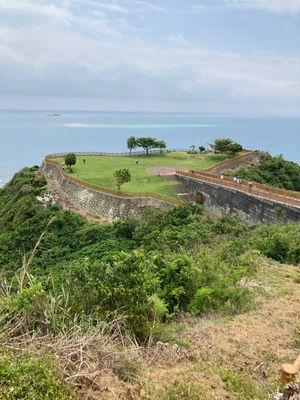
x=27, y=378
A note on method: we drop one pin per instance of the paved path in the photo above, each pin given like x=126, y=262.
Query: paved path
x=165, y=170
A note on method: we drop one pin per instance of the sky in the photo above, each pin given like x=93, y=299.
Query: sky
x=210, y=56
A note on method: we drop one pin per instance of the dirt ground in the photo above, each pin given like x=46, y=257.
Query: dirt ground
x=165, y=170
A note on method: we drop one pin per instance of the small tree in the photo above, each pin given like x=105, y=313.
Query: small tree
x=148, y=143
x=70, y=159
x=226, y=146
x=201, y=149
x=234, y=148
x=122, y=176
x=161, y=145
x=131, y=143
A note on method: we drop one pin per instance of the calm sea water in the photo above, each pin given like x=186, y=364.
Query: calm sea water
x=27, y=136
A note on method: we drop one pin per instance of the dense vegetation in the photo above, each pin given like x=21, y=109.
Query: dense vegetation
x=58, y=270
x=274, y=171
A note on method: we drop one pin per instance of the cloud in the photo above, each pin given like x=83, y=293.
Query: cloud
x=278, y=6
x=79, y=50
x=49, y=10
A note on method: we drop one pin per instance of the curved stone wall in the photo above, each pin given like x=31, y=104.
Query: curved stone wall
x=228, y=201
x=98, y=203
x=232, y=164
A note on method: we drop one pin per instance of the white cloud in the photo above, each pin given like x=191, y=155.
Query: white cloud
x=278, y=6
x=94, y=55
x=36, y=8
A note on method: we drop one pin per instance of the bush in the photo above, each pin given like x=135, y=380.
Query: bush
x=27, y=378
x=274, y=171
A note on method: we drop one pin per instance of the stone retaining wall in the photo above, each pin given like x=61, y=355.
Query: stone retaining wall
x=233, y=164
x=99, y=203
x=226, y=201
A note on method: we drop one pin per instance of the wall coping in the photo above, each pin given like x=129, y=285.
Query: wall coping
x=229, y=161
x=255, y=191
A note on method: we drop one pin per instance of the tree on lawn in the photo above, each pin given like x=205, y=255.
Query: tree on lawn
x=70, y=159
x=225, y=145
x=122, y=176
x=148, y=143
x=201, y=149
x=234, y=148
x=131, y=143
x=161, y=145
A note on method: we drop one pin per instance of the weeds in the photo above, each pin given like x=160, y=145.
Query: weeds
x=178, y=390
x=241, y=386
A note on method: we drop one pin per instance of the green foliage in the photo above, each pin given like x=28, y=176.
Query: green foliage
x=131, y=143
x=274, y=171
x=241, y=386
x=122, y=176
x=226, y=146
x=148, y=143
x=281, y=243
x=149, y=270
x=27, y=378
x=234, y=148
x=70, y=160
x=178, y=390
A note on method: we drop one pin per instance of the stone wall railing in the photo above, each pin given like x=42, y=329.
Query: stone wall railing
x=258, y=190
x=228, y=200
x=260, y=187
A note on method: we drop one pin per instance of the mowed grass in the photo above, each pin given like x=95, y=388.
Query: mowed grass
x=99, y=170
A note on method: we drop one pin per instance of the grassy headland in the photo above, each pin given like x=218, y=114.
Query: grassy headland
x=99, y=170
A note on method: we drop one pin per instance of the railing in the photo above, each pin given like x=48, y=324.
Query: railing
x=260, y=186
x=256, y=189
x=228, y=161
x=262, y=191
x=101, y=153
x=106, y=190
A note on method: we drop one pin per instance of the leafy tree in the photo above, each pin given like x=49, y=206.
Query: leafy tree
x=122, y=176
x=70, y=159
x=131, y=143
x=148, y=143
x=201, y=149
x=234, y=148
x=221, y=145
x=225, y=145
x=161, y=145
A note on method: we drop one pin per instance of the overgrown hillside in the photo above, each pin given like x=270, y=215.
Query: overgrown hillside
x=274, y=171
x=66, y=282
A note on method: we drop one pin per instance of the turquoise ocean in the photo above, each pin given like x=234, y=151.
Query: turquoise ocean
x=27, y=136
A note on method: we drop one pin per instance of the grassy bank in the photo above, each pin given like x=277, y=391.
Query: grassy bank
x=99, y=170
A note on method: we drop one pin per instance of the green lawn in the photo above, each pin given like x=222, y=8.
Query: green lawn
x=99, y=170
